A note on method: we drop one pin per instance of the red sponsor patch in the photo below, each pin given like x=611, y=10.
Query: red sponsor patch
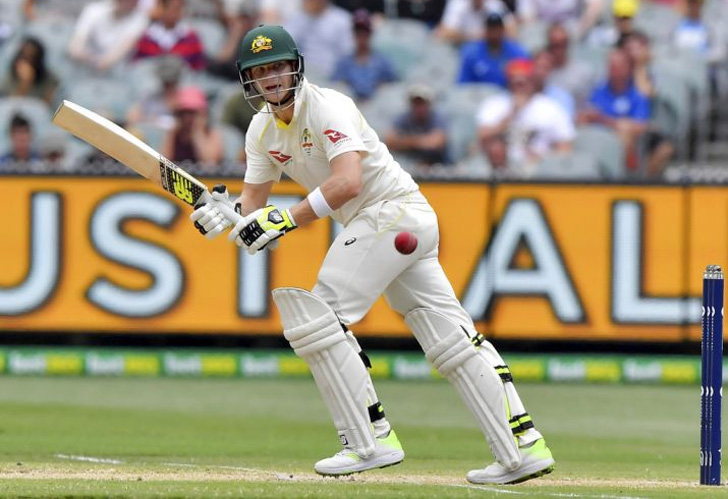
x=282, y=158
x=334, y=135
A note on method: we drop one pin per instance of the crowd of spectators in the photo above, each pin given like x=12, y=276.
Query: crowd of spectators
x=464, y=87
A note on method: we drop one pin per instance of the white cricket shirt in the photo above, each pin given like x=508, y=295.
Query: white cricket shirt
x=325, y=124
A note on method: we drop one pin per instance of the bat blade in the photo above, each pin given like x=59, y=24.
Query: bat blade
x=124, y=147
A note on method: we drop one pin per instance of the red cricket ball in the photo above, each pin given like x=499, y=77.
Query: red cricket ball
x=405, y=242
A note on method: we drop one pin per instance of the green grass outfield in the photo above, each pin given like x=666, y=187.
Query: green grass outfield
x=83, y=437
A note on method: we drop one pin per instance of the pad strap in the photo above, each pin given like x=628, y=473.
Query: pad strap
x=521, y=423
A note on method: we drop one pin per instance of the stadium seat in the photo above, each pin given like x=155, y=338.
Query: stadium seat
x=234, y=142
x=149, y=133
x=593, y=56
x=389, y=102
x=55, y=34
x=109, y=97
x=211, y=34
x=691, y=67
x=217, y=106
x=658, y=21
x=144, y=75
x=209, y=84
x=671, y=106
x=404, y=41
x=461, y=135
x=570, y=166
x=532, y=35
x=439, y=69
x=461, y=106
x=604, y=146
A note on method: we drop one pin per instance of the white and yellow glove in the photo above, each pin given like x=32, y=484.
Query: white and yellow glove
x=261, y=228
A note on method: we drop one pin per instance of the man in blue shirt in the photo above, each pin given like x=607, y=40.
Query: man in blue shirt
x=364, y=70
x=484, y=61
x=618, y=104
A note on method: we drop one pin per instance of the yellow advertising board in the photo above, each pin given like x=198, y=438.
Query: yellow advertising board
x=529, y=261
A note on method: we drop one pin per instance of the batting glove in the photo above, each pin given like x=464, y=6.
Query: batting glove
x=208, y=218
x=262, y=227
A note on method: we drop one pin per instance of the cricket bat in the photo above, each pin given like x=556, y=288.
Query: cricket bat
x=124, y=147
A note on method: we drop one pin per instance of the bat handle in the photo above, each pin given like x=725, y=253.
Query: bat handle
x=233, y=216
x=229, y=213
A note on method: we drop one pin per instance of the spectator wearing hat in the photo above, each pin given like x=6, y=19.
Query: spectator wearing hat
x=484, y=61
x=618, y=104
x=193, y=139
x=21, y=144
x=419, y=136
x=518, y=128
x=462, y=20
x=364, y=70
x=157, y=108
x=106, y=32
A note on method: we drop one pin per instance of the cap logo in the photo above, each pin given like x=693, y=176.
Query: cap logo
x=261, y=43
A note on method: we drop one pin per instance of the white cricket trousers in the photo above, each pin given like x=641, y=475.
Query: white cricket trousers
x=363, y=263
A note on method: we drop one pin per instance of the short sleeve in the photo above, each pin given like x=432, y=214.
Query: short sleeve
x=493, y=110
x=260, y=169
x=562, y=127
x=452, y=15
x=340, y=125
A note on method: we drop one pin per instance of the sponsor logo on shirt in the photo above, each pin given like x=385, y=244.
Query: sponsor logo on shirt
x=283, y=159
x=335, y=136
x=261, y=43
x=306, y=143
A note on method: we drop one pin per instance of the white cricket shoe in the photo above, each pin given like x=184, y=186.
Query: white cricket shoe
x=388, y=452
x=536, y=461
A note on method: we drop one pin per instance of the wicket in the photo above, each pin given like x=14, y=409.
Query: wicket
x=711, y=389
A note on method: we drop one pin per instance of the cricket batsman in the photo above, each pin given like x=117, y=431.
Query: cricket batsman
x=319, y=138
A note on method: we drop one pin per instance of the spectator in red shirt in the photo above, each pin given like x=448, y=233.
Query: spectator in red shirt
x=171, y=35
